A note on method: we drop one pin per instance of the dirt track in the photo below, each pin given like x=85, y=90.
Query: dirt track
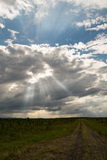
x=82, y=144
x=76, y=152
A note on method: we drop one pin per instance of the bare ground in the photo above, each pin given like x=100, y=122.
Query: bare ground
x=82, y=144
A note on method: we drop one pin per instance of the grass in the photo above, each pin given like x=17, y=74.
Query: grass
x=16, y=135
x=98, y=124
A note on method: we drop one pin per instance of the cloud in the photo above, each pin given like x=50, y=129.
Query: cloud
x=98, y=27
x=91, y=4
x=13, y=33
x=99, y=22
x=2, y=26
x=9, y=2
x=13, y=37
x=50, y=80
x=99, y=44
x=96, y=46
x=11, y=9
x=79, y=45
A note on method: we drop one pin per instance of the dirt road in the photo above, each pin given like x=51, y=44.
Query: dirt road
x=82, y=144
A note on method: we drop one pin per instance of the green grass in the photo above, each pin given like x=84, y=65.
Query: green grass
x=98, y=124
x=16, y=135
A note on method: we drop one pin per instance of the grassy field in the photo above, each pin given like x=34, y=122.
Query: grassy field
x=18, y=134
x=49, y=139
x=98, y=124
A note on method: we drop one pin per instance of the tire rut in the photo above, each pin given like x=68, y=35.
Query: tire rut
x=76, y=152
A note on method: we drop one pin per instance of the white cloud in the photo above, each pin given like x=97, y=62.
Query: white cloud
x=12, y=8
x=13, y=33
x=98, y=27
x=79, y=45
x=13, y=37
x=9, y=41
x=96, y=46
x=40, y=15
x=99, y=45
x=89, y=4
x=2, y=26
x=96, y=21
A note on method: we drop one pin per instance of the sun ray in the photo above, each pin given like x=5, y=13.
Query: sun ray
x=60, y=84
x=29, y=96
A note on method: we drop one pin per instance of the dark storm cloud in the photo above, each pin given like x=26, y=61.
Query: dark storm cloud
x=60, y=81
x=14, y=65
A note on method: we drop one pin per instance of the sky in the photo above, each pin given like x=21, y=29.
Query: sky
x=53, y=58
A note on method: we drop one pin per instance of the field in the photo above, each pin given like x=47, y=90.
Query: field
x=53, y=139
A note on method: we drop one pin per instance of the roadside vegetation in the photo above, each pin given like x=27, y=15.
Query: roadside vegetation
x=98, y=124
